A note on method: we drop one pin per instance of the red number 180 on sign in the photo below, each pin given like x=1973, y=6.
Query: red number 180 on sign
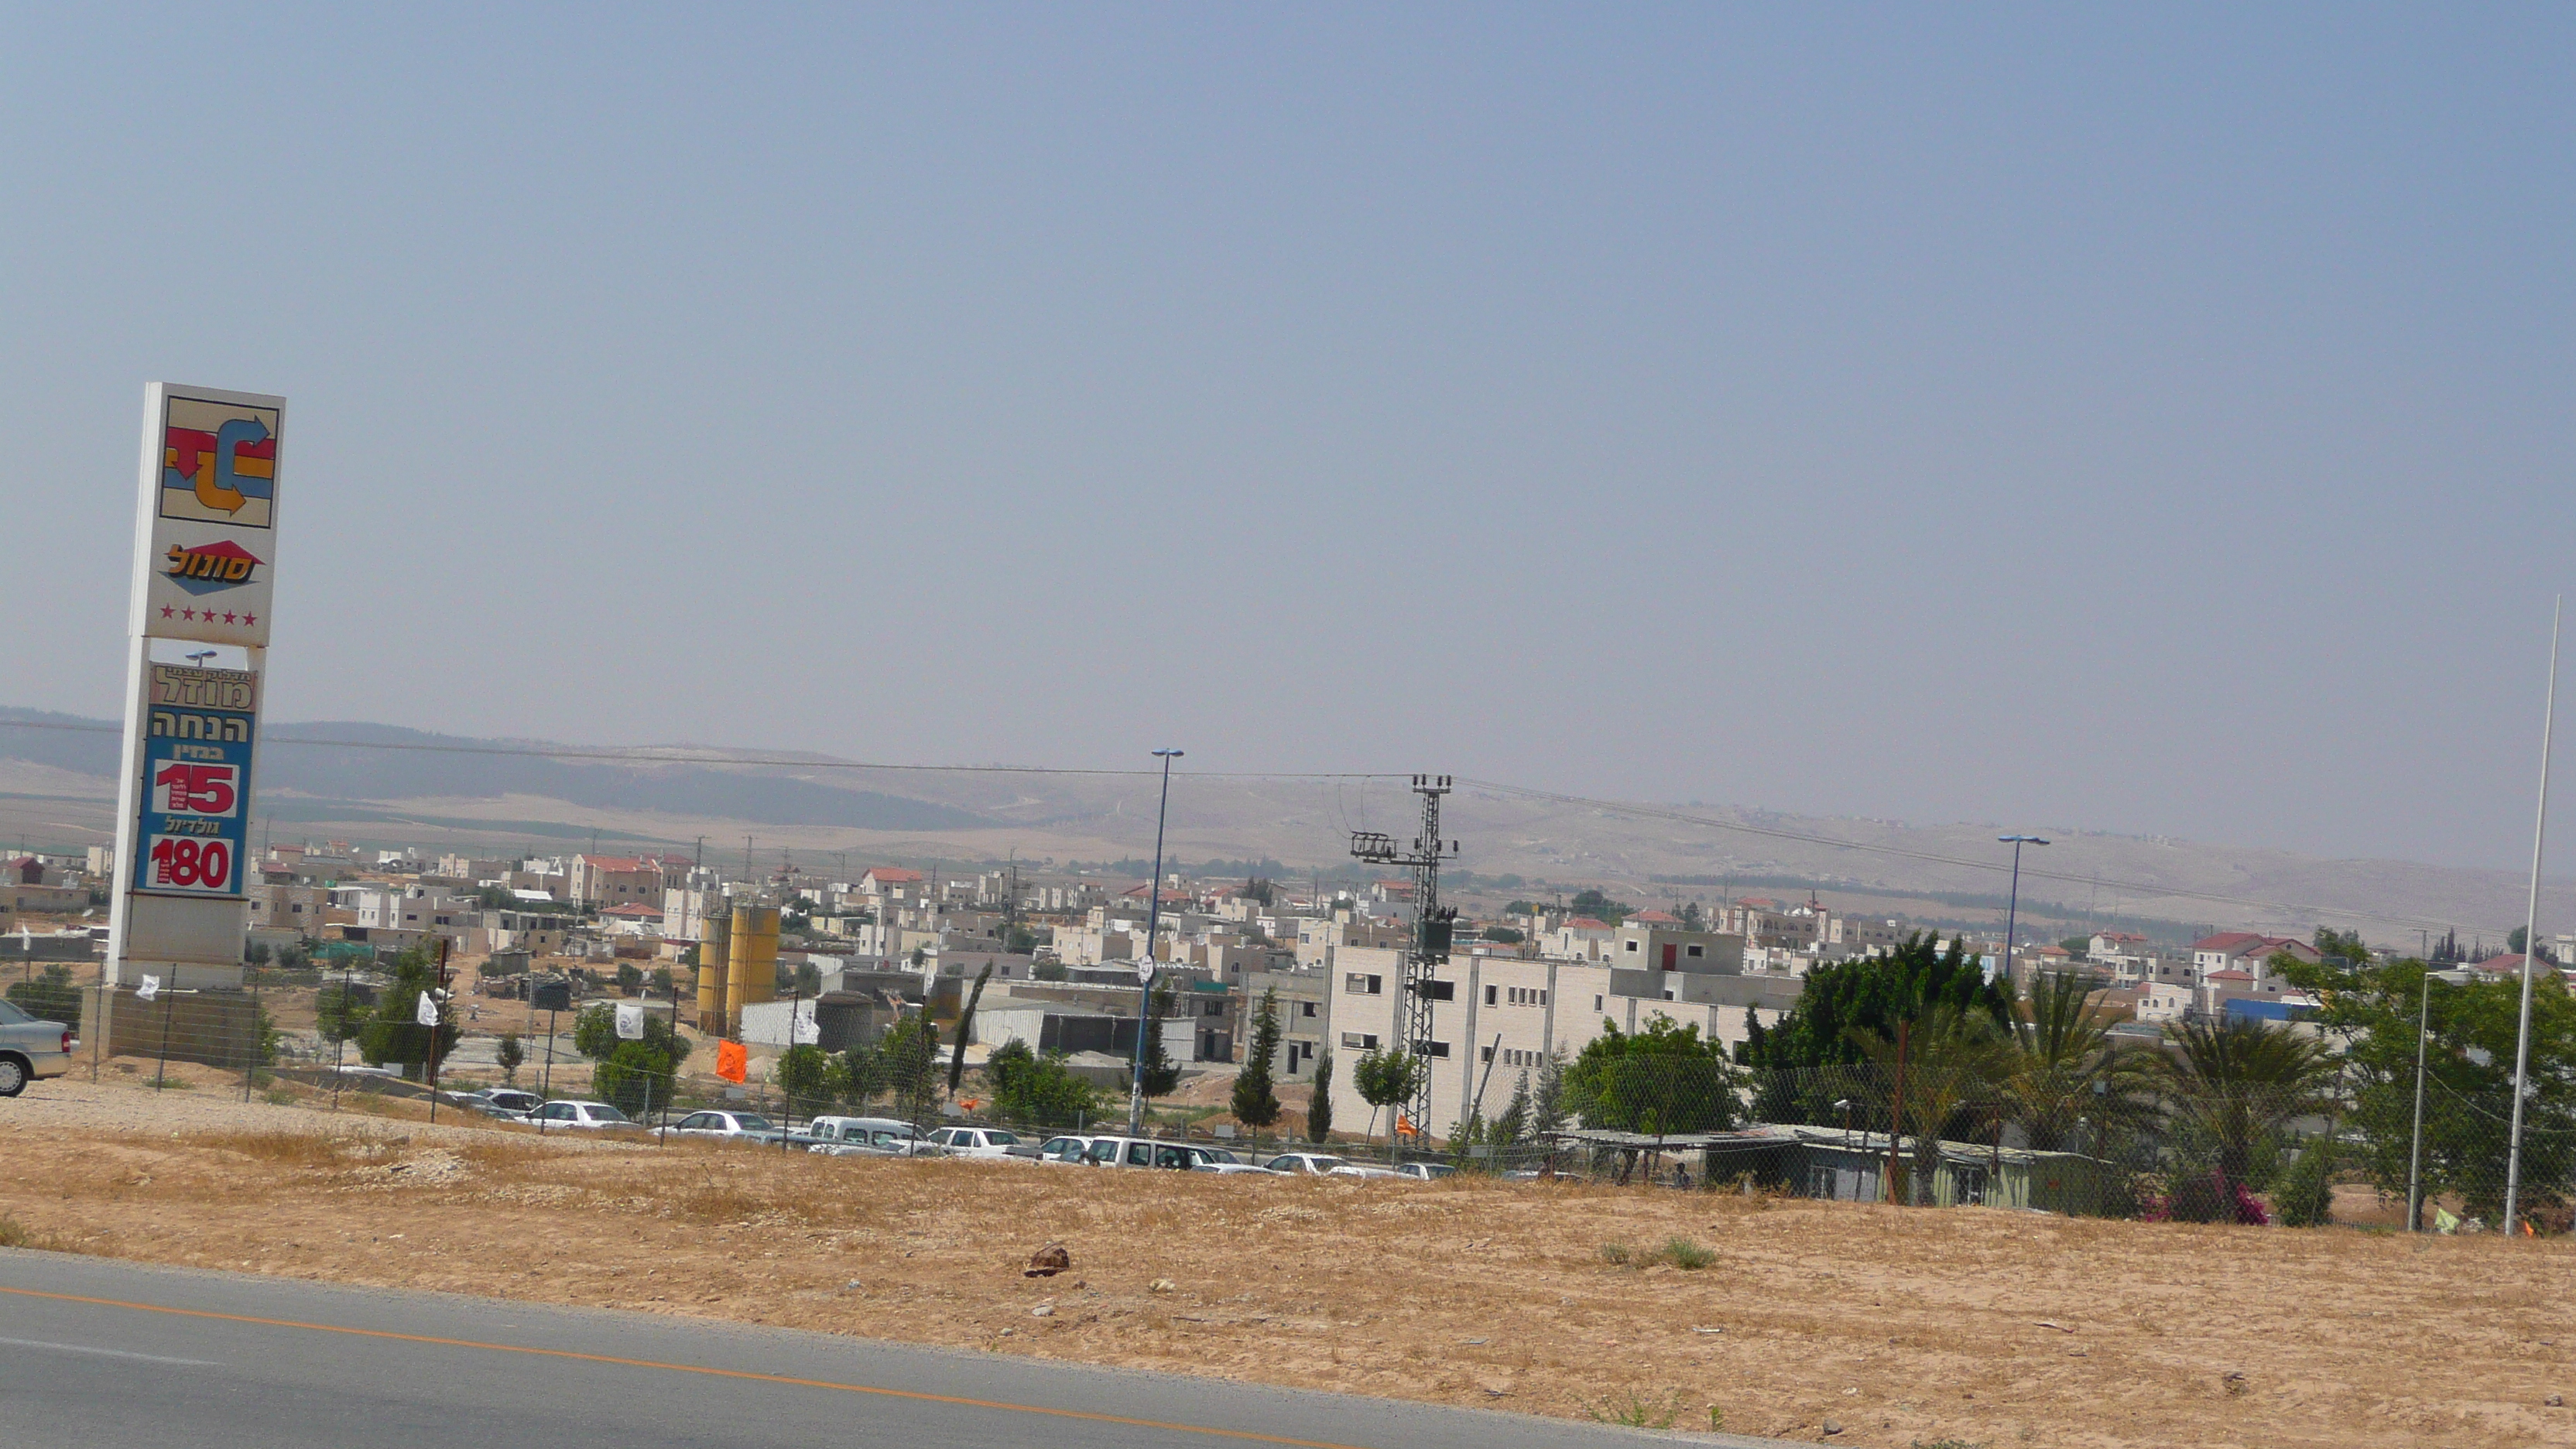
x=181, y=862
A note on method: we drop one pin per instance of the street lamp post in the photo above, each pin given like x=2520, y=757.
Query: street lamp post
x=1145, y=967
x=2012, y=906
x=2415, y=1153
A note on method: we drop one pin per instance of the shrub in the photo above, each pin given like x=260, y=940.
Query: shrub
x=2304, y=1197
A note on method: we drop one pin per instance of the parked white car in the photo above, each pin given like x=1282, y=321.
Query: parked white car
x=985, y=1142
x=1426, y=1171
x=1065, y=1151
x=869, y=1137
x=1306, y=1164
x=580, y=1116
x=738, y=1126
x=1222, y=1160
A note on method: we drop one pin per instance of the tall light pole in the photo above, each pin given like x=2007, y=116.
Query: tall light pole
x=2530, y=944
x=2012, y=904
x=1145, y=966
x=2415, y=1154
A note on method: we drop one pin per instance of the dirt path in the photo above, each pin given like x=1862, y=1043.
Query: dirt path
x=1893, y=1326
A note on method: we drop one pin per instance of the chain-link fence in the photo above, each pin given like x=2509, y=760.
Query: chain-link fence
x=2138, y=1135
x=2302, y=1138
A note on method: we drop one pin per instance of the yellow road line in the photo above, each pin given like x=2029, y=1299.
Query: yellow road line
x=682, y=1368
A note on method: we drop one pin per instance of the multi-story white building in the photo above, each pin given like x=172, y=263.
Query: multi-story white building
x=1493, y=1006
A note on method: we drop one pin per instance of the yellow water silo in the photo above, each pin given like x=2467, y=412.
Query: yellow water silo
x=755, y=962
x=715, y=965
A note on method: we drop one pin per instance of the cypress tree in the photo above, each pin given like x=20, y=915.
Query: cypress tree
x=1319, y=1113
x=1256, y=1102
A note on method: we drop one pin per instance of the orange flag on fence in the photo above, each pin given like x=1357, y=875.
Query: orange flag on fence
x=732, y=1061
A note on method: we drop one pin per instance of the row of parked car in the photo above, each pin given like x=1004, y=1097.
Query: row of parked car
x=893, y=1137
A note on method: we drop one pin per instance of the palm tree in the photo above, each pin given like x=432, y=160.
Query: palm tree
x=2229, y=1085
x=1948, y=1060
x=2065, y=1067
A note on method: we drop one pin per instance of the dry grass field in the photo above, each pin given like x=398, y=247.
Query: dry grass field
x=1861, y=1325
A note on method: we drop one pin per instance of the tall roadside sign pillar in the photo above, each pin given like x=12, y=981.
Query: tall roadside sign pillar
x=205, y=557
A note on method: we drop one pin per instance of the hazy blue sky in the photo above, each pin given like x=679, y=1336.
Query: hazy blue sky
x=2130, y=417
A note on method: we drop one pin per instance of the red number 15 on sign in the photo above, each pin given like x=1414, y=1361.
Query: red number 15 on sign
x=183, y=789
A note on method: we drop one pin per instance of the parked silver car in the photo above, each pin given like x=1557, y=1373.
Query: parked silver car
x=31, y=1049
x=581, y=1116
x=739, y=1126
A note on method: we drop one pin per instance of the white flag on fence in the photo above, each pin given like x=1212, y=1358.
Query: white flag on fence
x=150, y=987
x=630, y=1021
x=427, y=1013
x=806, y=1030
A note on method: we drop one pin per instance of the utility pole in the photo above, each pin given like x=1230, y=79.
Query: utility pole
x=2530, y=944
x=1427, y=949
x=1145, y=967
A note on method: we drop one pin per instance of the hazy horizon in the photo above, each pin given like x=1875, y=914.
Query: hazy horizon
x=2150, y=423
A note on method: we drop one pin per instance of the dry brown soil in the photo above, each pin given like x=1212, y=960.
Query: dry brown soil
x=1897, y=1326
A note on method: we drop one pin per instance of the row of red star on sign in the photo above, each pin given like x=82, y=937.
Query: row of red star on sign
x=191, y=615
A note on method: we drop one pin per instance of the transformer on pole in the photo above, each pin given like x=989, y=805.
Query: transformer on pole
x=1426, y=949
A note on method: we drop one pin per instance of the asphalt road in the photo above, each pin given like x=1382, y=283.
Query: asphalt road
x=105, y=1355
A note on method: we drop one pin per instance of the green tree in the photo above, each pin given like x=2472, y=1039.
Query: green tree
x=340, y=1008
x=2230, y=1086
x=1038, y=1091
x=2370, y=1008
x=804, y=1074
x=2304, y=1197
x=2513, y=940
x=1946, y=1060
x=50, y=996
x=393, y=1034
x=1256, y=1101
x=2064, y=1068
x=1161, y=1075
x=2078, y=947
x=1598, y=905
x=594, y=1034
x=1319, y=1110
x=1868, y=994
x=911, y=1055
x=1503, y=935
x=1386, y=1079
x=510, y=1054
x=1547, y=1098
x=1511, y=1125
x=635, y=1078
x=1662, y=1079
x=862, y=1074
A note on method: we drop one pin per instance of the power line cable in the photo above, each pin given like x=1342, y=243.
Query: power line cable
x=1649, y=812
x=663, y=755
x=660, y=755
